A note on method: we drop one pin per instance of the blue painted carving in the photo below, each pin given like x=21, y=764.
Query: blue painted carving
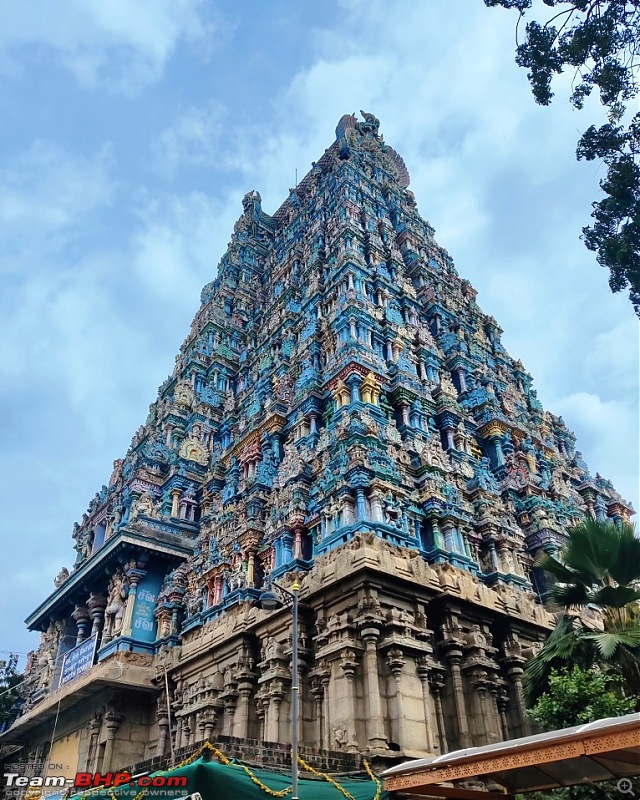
x=312, y=375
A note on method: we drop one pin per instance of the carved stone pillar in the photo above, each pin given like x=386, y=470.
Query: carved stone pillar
x=230, y=702
x=449, y=536
x=493, y=556
x=504, y=559
x=112, y=722
x=423, y=668
x=515, y=673
x=436, y=683
x=297, y=542
x=514, y=662
x=241, y=717
x=438, y=539
x=96, y=605
x=92, y=754
x=261, y=713
x=199, y=727
x=175, y=502
x=501, y=697
x=480, y=683
x=287, y=547
x=82, y=619
x=186, y=732
x=325, y=680
x=163, y=734
x=251, y=569
x=395, y=662
x=377, y=737
x=276, y=693
x=454, y=657
x=179, y=734
x=361, y=509
x=376, y=498
x=348, y=663
x=134, y=576
x=209, y=721
x=448, y=432
x=318, y=699
x=218, y=585
x=496, y=441
x=461, y=378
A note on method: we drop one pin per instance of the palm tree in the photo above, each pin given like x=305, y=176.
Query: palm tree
x=599, y=567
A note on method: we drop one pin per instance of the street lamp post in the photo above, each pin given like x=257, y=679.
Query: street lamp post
x=271, y=598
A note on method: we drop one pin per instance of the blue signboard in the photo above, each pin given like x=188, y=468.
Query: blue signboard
x=144, y=624
x=78, y=660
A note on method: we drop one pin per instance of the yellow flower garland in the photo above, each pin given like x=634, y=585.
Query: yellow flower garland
x=326, y=777
x=227, y=762
x=374, y=778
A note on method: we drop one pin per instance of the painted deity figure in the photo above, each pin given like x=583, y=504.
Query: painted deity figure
x=47, y=656
x=114, y=611
x=529, y=450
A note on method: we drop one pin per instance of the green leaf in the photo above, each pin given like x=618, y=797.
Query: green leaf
x=615, y=596
x=608, y=643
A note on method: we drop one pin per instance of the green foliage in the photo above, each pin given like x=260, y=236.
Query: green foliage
x=10, y=679
x=565, y=645
x=599, y=567
x=578, y=696
x=599, y=40
x=574, y=697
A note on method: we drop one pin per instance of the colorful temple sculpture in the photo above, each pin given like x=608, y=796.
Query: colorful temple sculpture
x=342, y=413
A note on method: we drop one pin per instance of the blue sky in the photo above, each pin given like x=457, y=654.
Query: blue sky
x=130, y=131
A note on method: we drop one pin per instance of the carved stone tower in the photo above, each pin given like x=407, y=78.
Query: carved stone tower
x=342, y=411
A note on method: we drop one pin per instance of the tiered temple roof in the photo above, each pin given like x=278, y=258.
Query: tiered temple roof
x=340, y=384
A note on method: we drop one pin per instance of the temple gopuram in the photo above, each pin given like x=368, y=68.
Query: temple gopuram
x=344, y=415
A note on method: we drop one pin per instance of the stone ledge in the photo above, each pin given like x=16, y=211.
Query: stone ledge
x=259, y=753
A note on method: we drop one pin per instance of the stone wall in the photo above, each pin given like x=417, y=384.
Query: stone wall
x=263, y=754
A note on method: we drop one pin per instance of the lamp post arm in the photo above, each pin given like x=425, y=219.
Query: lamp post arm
x=286, y=592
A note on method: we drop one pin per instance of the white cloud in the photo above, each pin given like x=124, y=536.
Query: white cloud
x=193, y=139
x=46, y=191
x=102, y=274
x=122, y=45
x=496, y=175
x=70, y=326
x=608, y=431
x=177, y=244
x=48, y=203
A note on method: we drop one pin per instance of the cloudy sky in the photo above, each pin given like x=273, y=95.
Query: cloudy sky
x=129, y=132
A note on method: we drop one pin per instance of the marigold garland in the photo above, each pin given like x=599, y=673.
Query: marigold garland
x=326, y=777
x=254, y=778
x=374, y=778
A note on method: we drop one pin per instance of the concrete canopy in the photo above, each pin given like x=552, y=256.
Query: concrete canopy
x=598, y=751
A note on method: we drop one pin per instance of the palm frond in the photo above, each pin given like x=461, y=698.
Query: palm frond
x=625, y=567
x=615, y=596
x=591, y=548
x=609, y=641
x=564, y=645
x=570, y=595
x=560, y=571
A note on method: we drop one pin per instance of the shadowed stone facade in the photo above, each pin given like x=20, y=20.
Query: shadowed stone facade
x=342, y=412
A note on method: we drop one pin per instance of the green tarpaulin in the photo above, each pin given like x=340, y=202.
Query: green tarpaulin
x=217, y=781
